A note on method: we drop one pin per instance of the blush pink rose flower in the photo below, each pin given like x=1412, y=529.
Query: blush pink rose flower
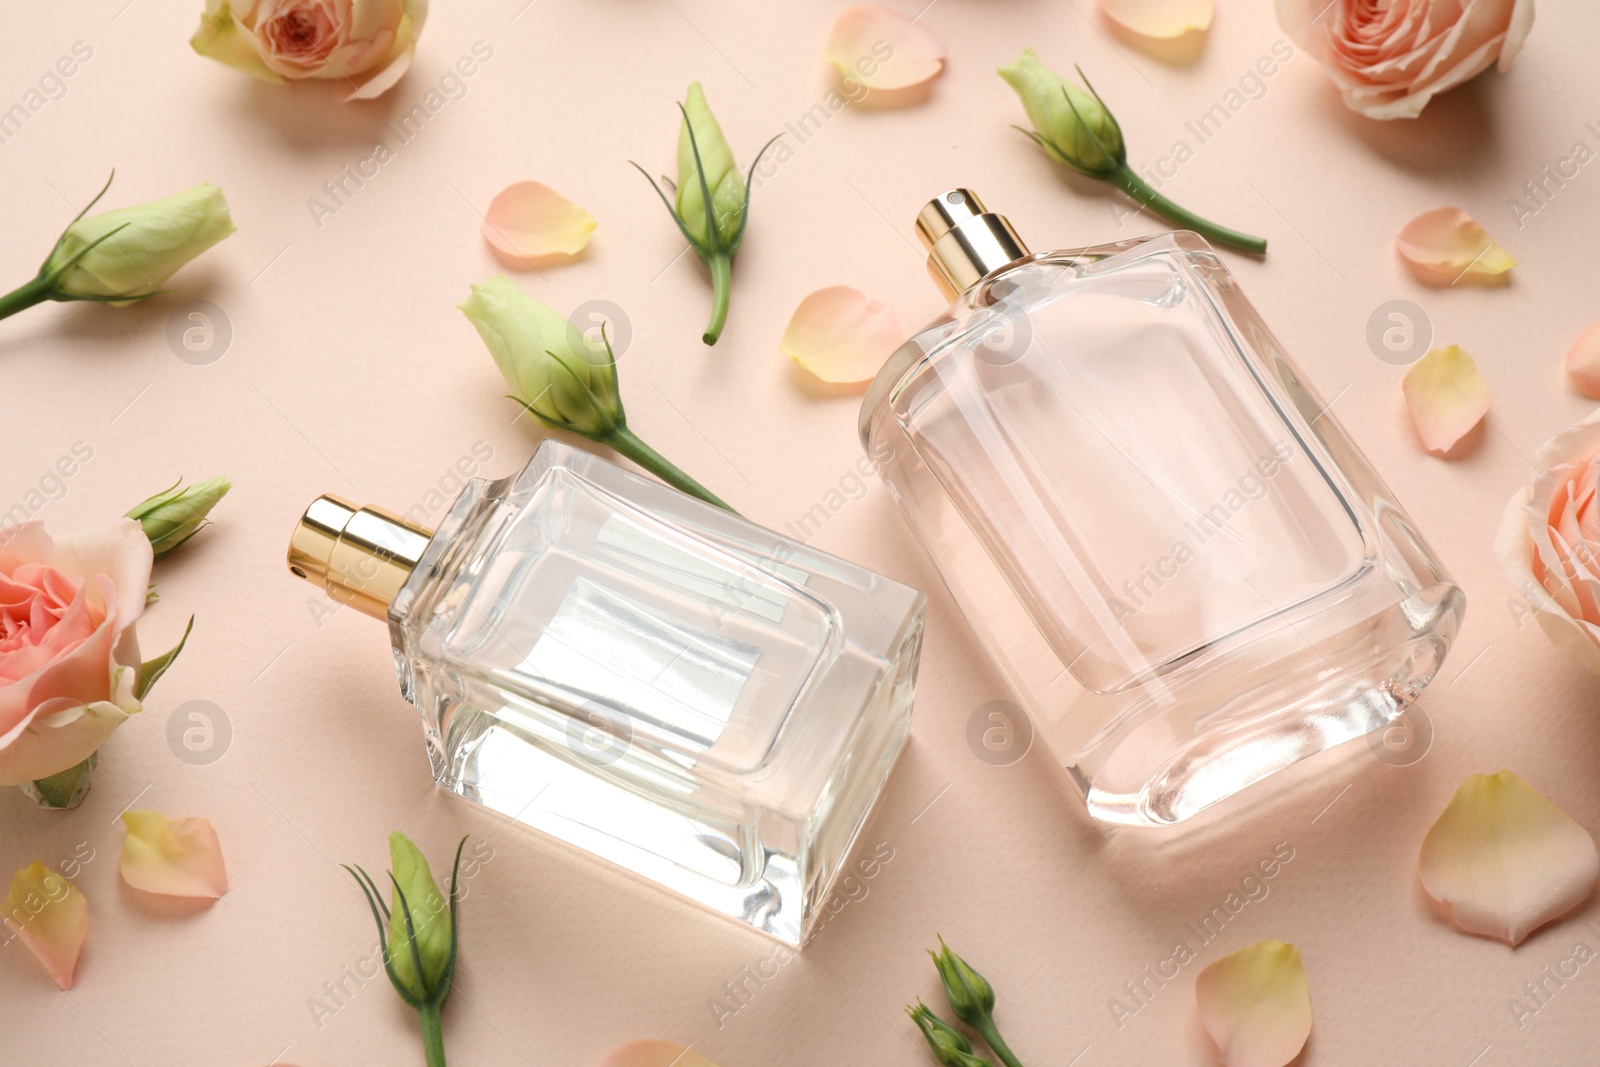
x=1549, y=541
x=69, y=657
x=368, y=44
x=1389, y=57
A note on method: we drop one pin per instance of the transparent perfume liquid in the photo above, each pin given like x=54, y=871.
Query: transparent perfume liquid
x=667, y=686
x=1188, y=572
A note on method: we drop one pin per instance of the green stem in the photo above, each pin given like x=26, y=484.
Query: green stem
x=1141, y=190
x=23, y=297
x=628, y=443
x=432, y=1034
x=991, y=1034
x=721, y=282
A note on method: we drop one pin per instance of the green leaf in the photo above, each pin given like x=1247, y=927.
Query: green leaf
x=151, y=671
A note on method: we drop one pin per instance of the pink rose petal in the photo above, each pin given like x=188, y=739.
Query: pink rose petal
x=1256, y=1005
x=1446, y=246
x=841, y=335
x=1504, y=861
x=50, y=916
x=1447, y=397
x=1583, y=362
x=653, y=1054
x=1160, y=18
x=883, y=49
x=172, y=857
x=529, y=222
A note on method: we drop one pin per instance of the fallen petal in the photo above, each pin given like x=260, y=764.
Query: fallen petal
x=841, y=335
x=1160, y=18
x=653, y=1054
x=1583, y=362
x=530, y=221
x=1256, y=1005
x=1447, y=397
x=172, y=857
x=1446, y=245
x=1504, y=861
x=883, y=49
x=50, y=916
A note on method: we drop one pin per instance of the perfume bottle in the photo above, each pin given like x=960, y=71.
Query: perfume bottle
x=1187, y=571
x=665, y=685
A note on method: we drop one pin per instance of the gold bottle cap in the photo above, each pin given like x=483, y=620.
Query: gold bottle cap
x=964, y=241
x=359, y=556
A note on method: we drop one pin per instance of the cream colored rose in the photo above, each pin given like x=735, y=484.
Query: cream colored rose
x=1549, y=541
x=1389, y=57
x=69, y=658
x=368, y=44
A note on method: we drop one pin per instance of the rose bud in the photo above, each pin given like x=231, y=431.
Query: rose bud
x=172, y=517
x=1074, y=127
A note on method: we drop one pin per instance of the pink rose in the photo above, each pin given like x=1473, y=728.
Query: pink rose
x=68, y=654
x=1389, y=57
x=368, y=44
x=1549, y=541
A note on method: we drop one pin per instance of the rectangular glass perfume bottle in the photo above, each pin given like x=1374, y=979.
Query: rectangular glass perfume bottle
x=657, y=681
x=1188, y=572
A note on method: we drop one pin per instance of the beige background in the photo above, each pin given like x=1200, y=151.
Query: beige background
x=350, y=371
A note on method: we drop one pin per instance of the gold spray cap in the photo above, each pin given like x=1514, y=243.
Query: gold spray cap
x=964, y=241
x=359, y=556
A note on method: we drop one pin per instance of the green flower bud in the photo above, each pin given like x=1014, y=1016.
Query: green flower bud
x=123, y=255
x=429, y=928
x=703, y=152
x=568, y=380
x=970, y=994
x=1071, y=124
x=950, y=1046
x=172, y=517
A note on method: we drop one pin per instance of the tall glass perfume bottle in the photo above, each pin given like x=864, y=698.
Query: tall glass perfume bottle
x=1186, y=569
x=666, y=685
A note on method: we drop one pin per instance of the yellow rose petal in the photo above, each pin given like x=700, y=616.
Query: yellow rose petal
x=1256, y=1005
x=653, y=1054
x=841, y=335
x=530, y=222
x=1160, y=18
x=881, y=48
x=1447, y=397
x=1446, y=246
x=1504, y=861
x=50, y=916
x=172, y=857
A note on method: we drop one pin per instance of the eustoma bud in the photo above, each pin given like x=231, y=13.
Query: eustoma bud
x=561, y=377
x=711, y=204
x=1075, y=128
x=118, y=257
x=173, y=516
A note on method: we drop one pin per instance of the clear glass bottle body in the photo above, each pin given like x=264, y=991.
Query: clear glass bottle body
x=1187, y=571
x=666, y=685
